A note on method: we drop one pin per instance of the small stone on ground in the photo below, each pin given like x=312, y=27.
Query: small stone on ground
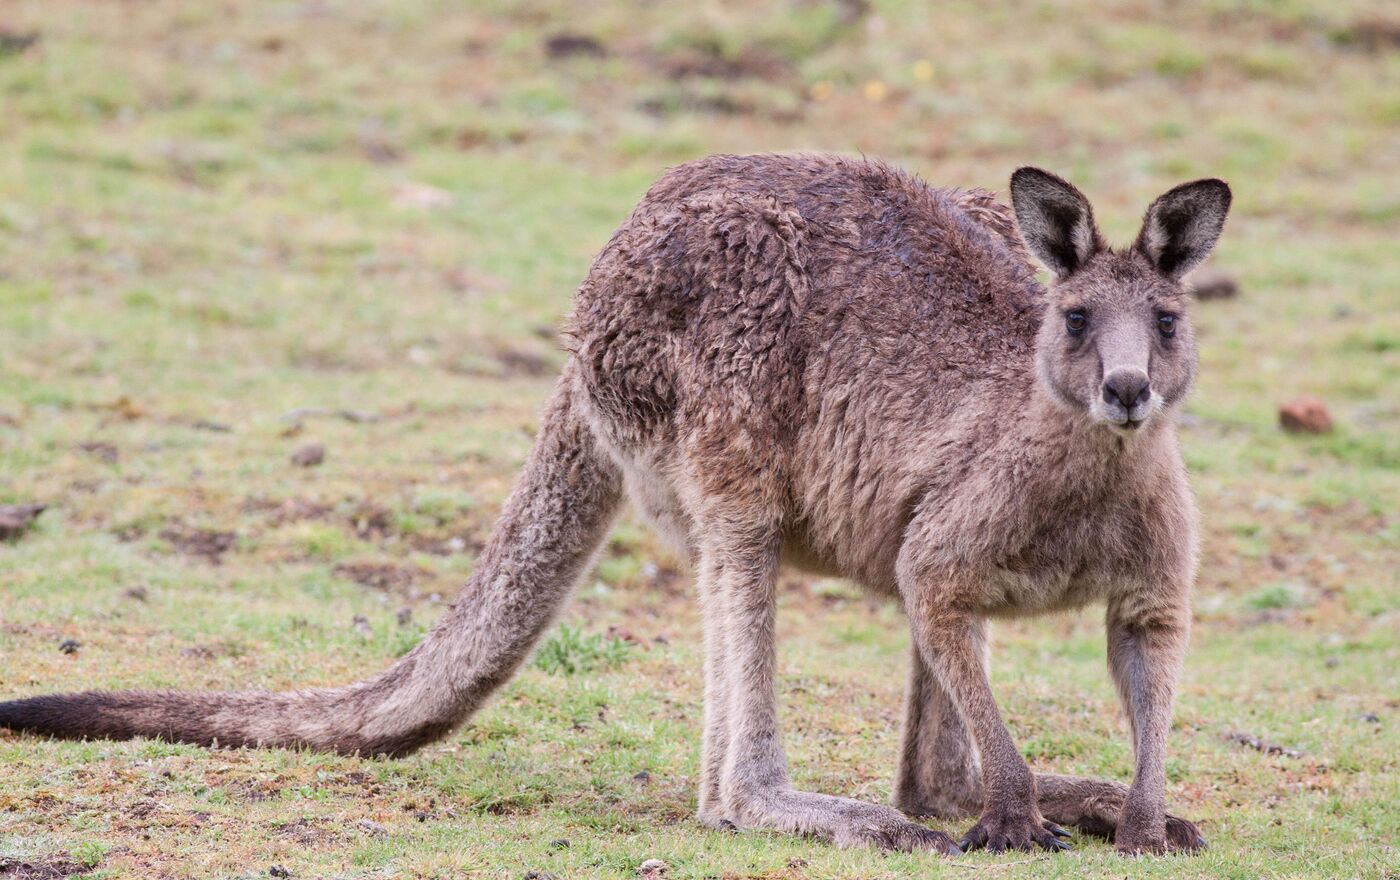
x=1305, y=415
x=309, y=455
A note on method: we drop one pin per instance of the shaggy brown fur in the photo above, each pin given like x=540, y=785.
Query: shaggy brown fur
x=823, y=361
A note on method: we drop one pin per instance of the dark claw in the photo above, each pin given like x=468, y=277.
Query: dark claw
x=1054, y=844
x=1055, y=829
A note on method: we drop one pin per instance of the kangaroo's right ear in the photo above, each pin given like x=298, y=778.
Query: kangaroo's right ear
x=1056, y=221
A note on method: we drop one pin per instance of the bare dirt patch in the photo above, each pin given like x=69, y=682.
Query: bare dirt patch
x=1211, y=283
x=446, y=546
x=508, y=363
x=307, y=832
x=207, y=544
x=516, y=362
x=568, y=45
x=16, y=519
x=213, y=650
x=287, y=510
x=1251, y=741
x=370, y=521
x=387, y=576
x=104, y=452
x=709, y=61
x=1372, y=34
x=55, y=866
x=144, y=808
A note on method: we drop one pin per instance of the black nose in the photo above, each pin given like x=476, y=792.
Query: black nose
x=1127, y=388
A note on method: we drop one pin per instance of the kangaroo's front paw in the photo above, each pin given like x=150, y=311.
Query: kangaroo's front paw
x=1000, y=830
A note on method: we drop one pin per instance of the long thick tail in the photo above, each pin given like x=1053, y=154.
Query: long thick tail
x=544, y=541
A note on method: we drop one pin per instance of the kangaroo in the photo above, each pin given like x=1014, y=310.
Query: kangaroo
x=825, y=362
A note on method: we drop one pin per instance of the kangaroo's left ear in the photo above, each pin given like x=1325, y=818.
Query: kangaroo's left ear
x=1183, y=225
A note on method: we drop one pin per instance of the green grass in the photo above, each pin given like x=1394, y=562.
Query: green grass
x=570, y=652
x=229, y=230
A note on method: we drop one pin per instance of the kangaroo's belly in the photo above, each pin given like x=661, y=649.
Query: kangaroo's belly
x=1017, y=593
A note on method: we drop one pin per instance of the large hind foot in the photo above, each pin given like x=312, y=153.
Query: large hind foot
x=844, y=822
x=1095, y=807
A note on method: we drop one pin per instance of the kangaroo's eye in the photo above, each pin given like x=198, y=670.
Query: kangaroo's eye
x=1075, y=322
x=1167, y=324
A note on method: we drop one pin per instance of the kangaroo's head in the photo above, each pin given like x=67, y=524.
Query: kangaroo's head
x=1116, y=342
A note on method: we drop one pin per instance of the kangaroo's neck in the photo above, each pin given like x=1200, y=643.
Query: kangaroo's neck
x=1072, y=449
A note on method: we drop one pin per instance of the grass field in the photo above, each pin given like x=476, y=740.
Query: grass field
x=229, y=230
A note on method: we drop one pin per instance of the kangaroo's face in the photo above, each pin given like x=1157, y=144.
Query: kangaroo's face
x=1116, y=342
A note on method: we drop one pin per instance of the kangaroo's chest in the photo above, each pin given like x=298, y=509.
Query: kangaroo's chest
x=1067, y=563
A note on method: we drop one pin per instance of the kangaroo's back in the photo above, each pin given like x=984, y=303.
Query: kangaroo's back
x=772, y=282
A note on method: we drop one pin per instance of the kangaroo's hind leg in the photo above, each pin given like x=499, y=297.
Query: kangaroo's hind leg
x=714, y=745
x=938, y=773
x=738, y=568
